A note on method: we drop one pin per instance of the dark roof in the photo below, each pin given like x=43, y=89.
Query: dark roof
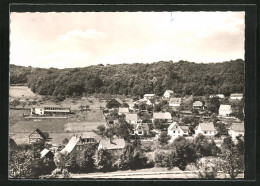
x=39, y=132
x=12, y=143
x=115, y=144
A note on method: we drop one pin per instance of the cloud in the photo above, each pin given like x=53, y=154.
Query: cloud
x=79, y=34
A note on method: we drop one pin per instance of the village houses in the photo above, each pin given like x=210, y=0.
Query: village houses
x=141, y=129
x=236, y=96
x=175, y=130
x=198, y=105
x=175, y=102
x=123, y=110
x=49, y=110
x=112, y=144
x=162, y=116
x=149, y=96
x=114, y=103
x=132, y=118
x=221, y=96
x=37, y=136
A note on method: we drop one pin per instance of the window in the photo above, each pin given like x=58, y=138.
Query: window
x=140, y=132
x=205, y=132
x=174, y=131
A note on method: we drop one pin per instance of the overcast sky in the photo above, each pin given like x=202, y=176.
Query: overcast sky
x=65, y=40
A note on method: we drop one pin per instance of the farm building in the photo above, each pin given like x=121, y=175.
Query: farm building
x=114, y=103
x=149, y=96
x=47, y=153
x=37, y=136
x=236, y=96
x=141, y=129
x=162, y=116
x=50, y=110
x=207, y=129
x=132, y=119
x=168, y=93
x=175, y=130
x=236, y=129
x=225, y=110
x=112, y=144
x=75, y=145
x=197, y=105
x=175, y=102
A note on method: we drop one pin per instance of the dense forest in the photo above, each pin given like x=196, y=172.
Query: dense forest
x=184, y=78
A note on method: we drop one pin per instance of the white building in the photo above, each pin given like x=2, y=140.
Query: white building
x=123, y=110
x=49, y=110
x=175, y=102
x=221, y=96
x=236, y=129
x=168, y=93
x=198, y=105
x=225, y=110
x=175, y=130
x=236, y=96
x=207, y=129
x=149, y=96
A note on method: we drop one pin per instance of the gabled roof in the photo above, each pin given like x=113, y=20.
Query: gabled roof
x=169, y=91
x=184, y=128
x=175, y=100
x=114, y=145
x=71, y=145
x=207, y=126
x=12, y=143
x=119, y=100
x=39, y=132
x=197, y=103
x=142, y=125
x=123, y=109
x=132, y=117
x=173, y=125
x=236, y=95
x=238, y=127
x=225, y=108
x=162, y=115
x=44, y=152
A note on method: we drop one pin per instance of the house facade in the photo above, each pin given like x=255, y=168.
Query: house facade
x=149, y=96
x=236, y=96
x=175, y=130
x=236, y=129
x=207, y=129
x=198, y=105
x=175, y=102
x=141, y=129
x=74, y=146
x=225, y=110
x=168, y=93
x=123, y=110
x=132, y=118
x=50, y=110
x=37, y=136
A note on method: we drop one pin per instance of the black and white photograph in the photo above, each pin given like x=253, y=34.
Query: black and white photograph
x=127, y=95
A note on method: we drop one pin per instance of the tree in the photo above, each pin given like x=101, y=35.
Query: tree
x=164, y=138
x=23, y=103
x=14, y=103
x=204, y=147
x=103, y=160
x=65, y=141
x=208, y=168
x=123, y=130
x=101, y=129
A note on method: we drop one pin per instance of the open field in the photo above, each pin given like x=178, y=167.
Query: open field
x=17, y=115
x=21, y=92
x=82, y=126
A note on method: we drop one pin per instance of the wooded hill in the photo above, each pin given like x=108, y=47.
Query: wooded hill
x=184, y=78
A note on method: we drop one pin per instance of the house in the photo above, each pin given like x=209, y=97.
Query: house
x=197, y=105
x=37, y=136
x=225, y=110
x=112, y=144
x=168, y=93
x=49, y=110
x=162, y=116
x=175, y=102
x=236, y=129
x=114, y=103
x=111, y=120
x=132, y=118
x=150, y=102
x=149, y=96
x=207, y=129
x=175, y=130
x=75, y=145
x=141, y=129
x=47, y=153
x=236, y=96
x=89, y=137
x=123, y=110
x=221, y=96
